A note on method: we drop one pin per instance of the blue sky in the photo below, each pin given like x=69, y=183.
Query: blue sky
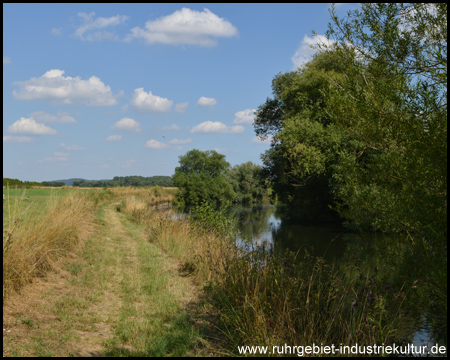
x=103, y=90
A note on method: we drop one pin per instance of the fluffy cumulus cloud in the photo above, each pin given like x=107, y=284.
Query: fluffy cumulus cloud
x=181, y=107
x=147, y=102
x=17, y=139
x=127, y=125
x=92, y=28
x=114, y=138
x=216, y=127
x=55, y=87
x=60, y=117
x=205, y=102
x=305, y=51
x=185, y=27
x=244, y=117
x=154, y=144
x=28, y=126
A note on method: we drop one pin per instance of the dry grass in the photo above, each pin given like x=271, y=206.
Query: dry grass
x=200, y=251
x=34, y=238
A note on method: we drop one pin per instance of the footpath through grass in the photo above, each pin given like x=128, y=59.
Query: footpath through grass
x=117, y=295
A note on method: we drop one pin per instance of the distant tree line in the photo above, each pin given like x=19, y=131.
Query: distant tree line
x=164, y=181
x=20, y=184
x=53, y=183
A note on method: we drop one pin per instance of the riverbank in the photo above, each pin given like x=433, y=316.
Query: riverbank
x=112, y=294
x=147, y=283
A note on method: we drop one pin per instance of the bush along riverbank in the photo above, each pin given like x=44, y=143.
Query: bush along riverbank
x=270, y=298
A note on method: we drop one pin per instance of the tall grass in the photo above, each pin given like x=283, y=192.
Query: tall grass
x=279, y=297
x=37, y=233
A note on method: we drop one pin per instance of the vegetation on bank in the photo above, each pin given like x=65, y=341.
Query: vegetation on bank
x=275, y=298
x=206, y=176
x=360, y=135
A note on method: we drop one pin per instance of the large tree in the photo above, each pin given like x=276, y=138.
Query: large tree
x=305, y=143
x=393, y=100
x=201, y=177
x=248, y=185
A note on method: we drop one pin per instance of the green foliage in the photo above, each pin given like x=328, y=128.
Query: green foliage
x=393, y=102
x=20, y=184
x=287, y=298
x=305, y=144
x=53, y=183
x=248, y=184
x=164, y=181
x=201, y=177
x=214, y=221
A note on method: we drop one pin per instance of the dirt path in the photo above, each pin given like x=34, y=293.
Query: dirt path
x=117, y=296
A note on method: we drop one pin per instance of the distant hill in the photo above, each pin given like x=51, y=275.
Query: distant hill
x=68, y=181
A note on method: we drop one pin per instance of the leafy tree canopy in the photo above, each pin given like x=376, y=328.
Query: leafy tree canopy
x=201, y=177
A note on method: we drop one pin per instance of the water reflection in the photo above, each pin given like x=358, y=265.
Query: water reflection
x=354, y=255
x=261, y=226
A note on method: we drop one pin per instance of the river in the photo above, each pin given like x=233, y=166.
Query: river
x=260, y=226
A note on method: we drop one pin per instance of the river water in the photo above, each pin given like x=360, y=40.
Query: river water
x=260, y=226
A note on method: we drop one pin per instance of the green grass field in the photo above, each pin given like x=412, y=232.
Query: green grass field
x=20, y=203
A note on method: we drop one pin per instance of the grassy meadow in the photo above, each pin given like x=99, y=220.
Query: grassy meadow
x=41, y=225
x=132, y=264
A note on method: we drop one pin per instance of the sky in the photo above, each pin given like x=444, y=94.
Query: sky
x=95, y=91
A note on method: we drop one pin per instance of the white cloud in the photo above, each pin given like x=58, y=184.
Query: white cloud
x=305, y=52
x=56, y=31
x=180, y=142
x=88, y=30
x=181, y=107
x=28, y=126
x=71, y=147
x=147, y=102
x=216, y=127
x=57, y=156
x=185, y=27
x=127, y=124
x=244, y=117
x=171, y=127
x=267, y=141
x=174, y=144
x=204, y=102
x=66, y=90
x=17, y=139
x=60, y=117
x=6, y=60
x=114, y=138
x=153, y=144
